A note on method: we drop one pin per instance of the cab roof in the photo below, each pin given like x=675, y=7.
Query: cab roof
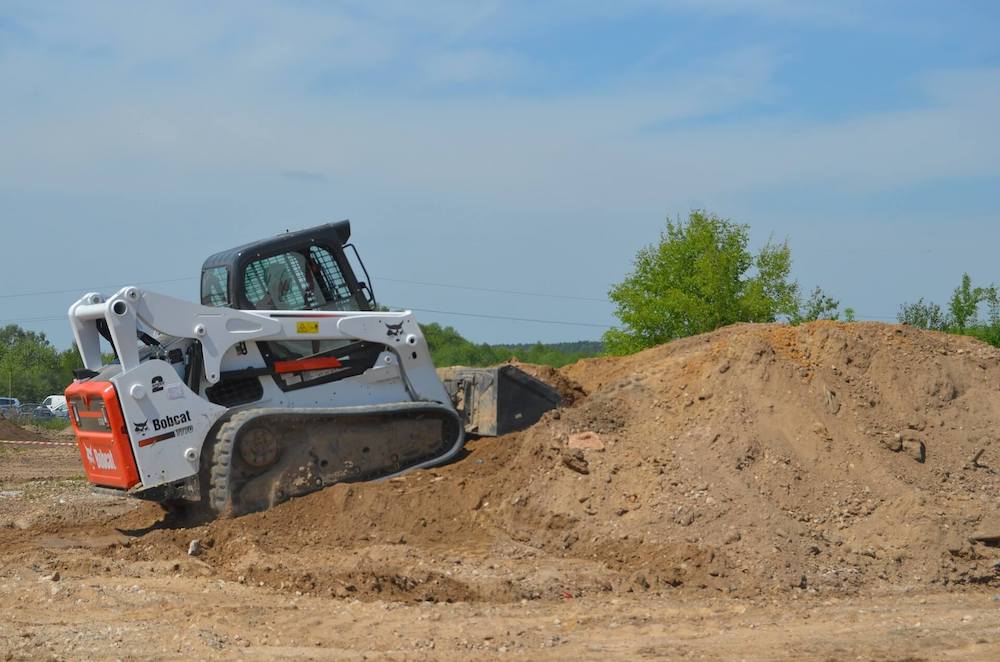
x=338, y=232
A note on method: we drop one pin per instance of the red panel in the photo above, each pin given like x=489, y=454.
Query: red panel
x=300, y=365
x=106, y=452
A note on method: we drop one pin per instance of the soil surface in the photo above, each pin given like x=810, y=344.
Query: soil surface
x=9, y=430
x=762, y=492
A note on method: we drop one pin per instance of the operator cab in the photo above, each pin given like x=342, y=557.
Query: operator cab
x=303, y=270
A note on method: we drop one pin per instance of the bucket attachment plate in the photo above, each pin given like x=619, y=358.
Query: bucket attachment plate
x=495, y=401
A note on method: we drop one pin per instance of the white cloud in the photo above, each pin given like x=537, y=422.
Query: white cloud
x=79, y=124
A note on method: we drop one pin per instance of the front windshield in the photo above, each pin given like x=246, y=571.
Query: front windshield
x=297, y=281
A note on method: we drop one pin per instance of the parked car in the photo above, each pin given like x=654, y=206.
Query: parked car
x=54, y=401
x=61, y=411
x=10, y=407
x=41, y=413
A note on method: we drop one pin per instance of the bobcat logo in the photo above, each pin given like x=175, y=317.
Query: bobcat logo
x=100, y=459
x=141, y=427
x=392, y=330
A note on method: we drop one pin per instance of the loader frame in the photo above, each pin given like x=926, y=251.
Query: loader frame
x=167, y=417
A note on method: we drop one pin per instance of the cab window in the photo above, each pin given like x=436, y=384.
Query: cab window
x=297, y=280
x=215, y=287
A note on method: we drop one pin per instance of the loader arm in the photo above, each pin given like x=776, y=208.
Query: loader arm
x=219, y=329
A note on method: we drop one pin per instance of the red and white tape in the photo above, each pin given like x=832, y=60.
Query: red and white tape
x=39, y=443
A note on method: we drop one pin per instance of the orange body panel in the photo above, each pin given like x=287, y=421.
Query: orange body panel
x=101, y=434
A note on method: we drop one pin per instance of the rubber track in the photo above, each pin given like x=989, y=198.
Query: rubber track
x=220, y=469
x=220, y=498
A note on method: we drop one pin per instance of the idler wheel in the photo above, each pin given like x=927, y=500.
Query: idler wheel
x=258, y=448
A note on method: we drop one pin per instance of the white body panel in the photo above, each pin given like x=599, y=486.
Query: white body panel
x=167, y=425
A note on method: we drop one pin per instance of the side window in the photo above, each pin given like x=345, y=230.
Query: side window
x=215, y=287
x=330, y=280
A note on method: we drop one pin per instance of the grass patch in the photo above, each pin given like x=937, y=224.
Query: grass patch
x=50, y=423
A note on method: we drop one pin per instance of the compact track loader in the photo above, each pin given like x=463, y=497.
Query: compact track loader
x=285, y=379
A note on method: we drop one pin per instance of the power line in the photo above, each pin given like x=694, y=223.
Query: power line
x=421, y=310
x=513, y=319
x=890, y=318
x=77, y=290
x=407, y=281
x=489, y=289
x=34, y=319
x=392, y=280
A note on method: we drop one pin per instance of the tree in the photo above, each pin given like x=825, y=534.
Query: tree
x=923, y=315
x=700, y=276
x=819, y=306
x=30, y=367
x=965, y=300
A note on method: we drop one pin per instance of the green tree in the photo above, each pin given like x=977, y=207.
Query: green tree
x=965, y=300
x=700, y=276
x=819, y=306
x=30, y=367
x=69, y=360
x=923, y=315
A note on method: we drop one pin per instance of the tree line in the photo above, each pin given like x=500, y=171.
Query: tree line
x=31, y=368
x=961, y=315
x=449, y=348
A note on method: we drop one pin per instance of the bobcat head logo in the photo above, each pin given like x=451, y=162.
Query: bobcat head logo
x=141, y=427
x=393, y=329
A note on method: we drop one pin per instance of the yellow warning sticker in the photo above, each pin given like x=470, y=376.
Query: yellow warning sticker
x=307, y=327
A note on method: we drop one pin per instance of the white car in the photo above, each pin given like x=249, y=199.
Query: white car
x=53, y=402
x=10, y=406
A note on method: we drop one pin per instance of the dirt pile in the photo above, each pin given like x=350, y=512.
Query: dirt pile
x=754, y=459
x=11, y=431
x=570, y=391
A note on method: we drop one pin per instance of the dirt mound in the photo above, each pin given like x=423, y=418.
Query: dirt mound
x=754, y=459
x=570, y=390
x=11, y=431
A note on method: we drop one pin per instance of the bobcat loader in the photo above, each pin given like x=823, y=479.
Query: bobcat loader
x=285, y=379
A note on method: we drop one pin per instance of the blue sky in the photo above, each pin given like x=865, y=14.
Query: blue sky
x=526, y=146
